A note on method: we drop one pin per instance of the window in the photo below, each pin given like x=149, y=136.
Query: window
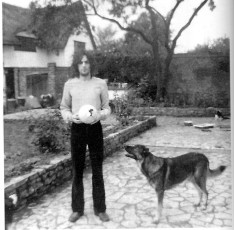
x=78, y=46
x=26, y=44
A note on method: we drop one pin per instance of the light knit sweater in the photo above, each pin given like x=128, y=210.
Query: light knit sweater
x=77, y=93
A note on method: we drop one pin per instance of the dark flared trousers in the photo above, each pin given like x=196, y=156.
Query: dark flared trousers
x=83, y=135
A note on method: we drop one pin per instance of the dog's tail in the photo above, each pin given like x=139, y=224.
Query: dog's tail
x=217, y=171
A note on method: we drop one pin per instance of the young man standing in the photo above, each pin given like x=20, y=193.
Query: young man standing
x=81, y=90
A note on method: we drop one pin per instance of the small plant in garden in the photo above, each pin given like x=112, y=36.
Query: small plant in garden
x=50, y=133
x=147, y=88
x=123, y=109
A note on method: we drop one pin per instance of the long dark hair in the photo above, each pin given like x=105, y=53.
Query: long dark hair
x=77, y=59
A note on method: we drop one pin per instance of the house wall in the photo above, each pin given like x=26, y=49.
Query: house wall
x=41, y=58
x=69, y=49
x=62, y=75
x=56, y=65
x=21, y=79
x=57, y=76
x=21, y=59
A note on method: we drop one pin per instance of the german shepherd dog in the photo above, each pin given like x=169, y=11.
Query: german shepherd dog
x=164, y=173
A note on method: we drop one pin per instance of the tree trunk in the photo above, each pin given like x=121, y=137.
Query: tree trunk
x=157, y=70
x=166, y=74
x=157, y=73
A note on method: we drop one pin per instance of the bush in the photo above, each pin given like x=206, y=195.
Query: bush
x=122, y=68
x=122, y=109
x=147, y=89
x=50, y=133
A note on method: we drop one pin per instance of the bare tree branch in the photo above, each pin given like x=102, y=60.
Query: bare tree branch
x=187, y=24
x=172, y=12
x=168, y=23
x=128, y=29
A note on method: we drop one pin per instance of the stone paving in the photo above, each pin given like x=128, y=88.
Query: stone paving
x=131, y=202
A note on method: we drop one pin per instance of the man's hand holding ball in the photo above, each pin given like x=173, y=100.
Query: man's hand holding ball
x=87, y=114
x=76, y=119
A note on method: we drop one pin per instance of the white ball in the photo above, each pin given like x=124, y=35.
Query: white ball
x=87, y=114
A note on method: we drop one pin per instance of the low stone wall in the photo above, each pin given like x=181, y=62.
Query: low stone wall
x=179, y=112
x=46, y=177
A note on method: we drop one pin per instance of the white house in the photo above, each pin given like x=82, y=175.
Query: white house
x=30, y=70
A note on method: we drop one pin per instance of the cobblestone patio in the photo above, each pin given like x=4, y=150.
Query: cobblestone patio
x=131, y=202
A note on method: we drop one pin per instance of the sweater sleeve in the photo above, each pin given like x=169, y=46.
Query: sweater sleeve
x=65, y=106
x=105, y=108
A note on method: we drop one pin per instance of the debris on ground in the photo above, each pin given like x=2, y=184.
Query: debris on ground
x=188, y=123
x=204, y=126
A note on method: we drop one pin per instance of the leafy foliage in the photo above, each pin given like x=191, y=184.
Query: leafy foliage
x=147, y=30
x=146, y=88
x=53, y=24
x=135, y=45
x=116, y=67
x=50, y=133
x=221, y=47
x=105, y=36
x=123, y=109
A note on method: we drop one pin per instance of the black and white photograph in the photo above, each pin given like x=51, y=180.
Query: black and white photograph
x=117, y=114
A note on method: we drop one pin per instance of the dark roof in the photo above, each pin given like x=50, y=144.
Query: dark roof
x=17, y=19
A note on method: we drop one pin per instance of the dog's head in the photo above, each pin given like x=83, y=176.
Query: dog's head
x=10, y=206
x=137, y=152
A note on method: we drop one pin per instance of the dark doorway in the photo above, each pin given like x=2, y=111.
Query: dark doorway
x=10, y=82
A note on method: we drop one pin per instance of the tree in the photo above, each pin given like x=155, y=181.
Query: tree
x=120, y=12
x=105, y=35
x=219, y=47
x=119, y=15
x=133, y=43
x=106, y=41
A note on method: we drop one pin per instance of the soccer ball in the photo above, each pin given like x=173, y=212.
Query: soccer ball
x=87, y=114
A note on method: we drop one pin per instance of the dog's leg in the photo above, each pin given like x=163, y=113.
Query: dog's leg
x=200, y=182
x=199, y=191
x=160, y=195
x=198, y=204
x=205, y=192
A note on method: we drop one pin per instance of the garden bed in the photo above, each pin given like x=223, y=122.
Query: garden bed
x=20, y=155
x=42, y=178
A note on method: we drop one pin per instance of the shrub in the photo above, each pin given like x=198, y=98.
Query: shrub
x=50, y=133
x=147, y=88
x=122, y=110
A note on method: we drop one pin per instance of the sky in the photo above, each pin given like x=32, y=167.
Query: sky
x=206, y=27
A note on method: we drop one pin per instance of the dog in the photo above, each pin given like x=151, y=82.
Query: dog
x=220, y=116
x=165, y=173
x=47, y=100
x=10, y=207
